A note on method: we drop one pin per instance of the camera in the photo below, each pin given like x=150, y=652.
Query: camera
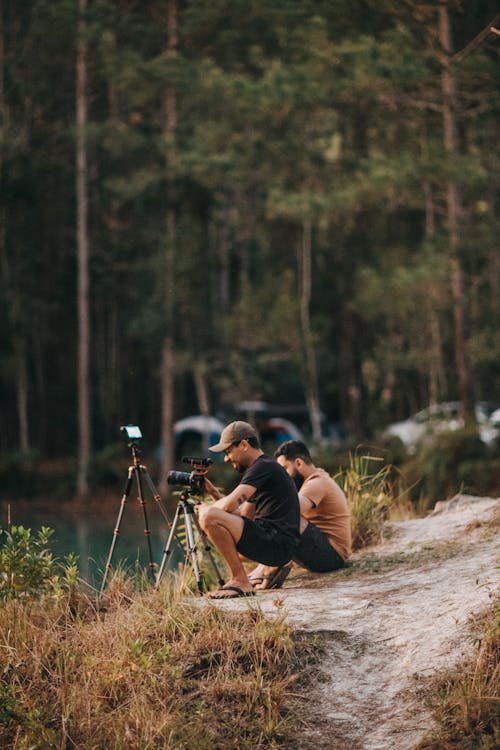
x=194, y=480
x=132, y=431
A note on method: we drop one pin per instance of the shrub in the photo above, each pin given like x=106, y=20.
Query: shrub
x=27, y=567
x=481, y=477
x=452, y=462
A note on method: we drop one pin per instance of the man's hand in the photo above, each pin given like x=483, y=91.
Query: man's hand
x=212, y=490
x=201, y=511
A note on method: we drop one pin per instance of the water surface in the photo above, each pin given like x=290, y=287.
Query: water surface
x=87, y=529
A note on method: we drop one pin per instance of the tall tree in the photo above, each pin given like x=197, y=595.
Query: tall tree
x=13, y=294
x=168, y=349
x=310, y=361
x=453, y=211
x=82, y=240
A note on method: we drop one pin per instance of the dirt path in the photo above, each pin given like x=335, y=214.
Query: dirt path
x=387, y=631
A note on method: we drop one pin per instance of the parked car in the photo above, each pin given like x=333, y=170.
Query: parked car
x=495, y=418
x=442, y=417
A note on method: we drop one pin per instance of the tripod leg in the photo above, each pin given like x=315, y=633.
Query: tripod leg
x=208, y=549
x=168, y=546
x=192, y=552
x=156, y=495
x=147, y=533
x=116, y=531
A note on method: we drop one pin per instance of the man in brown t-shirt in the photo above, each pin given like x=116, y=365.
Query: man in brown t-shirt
x=325, y=524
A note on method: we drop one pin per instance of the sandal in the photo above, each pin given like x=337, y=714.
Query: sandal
x=277, y=580
x=273, y=581
x=234, y=593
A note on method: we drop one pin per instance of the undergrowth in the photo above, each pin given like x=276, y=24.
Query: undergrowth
x=142, y=672
x=466, y=701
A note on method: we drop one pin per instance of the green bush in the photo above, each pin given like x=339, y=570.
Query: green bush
x=481, y=476
x=27, y=566
x=453, y=462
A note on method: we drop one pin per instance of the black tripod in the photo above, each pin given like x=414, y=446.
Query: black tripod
x=185, y=510
x=140, y=473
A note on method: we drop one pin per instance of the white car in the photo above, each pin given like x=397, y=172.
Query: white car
x=443, y=417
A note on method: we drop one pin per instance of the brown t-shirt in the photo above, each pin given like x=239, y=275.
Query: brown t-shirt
x=329, y=511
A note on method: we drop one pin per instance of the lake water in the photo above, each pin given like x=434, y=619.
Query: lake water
x=87, y=529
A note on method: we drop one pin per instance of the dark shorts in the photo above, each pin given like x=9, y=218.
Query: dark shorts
x=316, y=553
x=263, y=542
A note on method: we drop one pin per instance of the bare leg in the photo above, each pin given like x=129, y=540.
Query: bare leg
x=257, y=575
x=224, y=530
x=263, y=573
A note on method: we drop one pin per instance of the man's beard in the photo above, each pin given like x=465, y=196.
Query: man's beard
x=298, y=479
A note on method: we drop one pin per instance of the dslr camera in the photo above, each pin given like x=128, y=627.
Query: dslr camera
x=193, y=480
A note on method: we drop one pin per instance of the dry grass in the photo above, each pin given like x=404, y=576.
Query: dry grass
x=369, y=494
x=466, y=702
x=153, y=671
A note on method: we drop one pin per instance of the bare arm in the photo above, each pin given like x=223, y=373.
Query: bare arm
x=247, y=510
x=305, y=504
x=230, y=503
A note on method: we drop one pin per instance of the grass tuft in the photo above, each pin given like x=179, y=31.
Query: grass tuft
x=369, y=495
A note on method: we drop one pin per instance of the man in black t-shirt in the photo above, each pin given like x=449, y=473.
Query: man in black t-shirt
x=272, y=535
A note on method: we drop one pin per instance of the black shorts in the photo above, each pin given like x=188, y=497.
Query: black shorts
x=316, y=553
x=263, y=542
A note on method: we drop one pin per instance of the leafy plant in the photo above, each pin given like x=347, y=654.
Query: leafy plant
x=27, y=566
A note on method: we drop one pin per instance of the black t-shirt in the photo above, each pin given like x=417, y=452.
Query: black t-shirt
x=276, y=498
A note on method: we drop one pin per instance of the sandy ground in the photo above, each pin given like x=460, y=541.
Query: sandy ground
x=387, y=632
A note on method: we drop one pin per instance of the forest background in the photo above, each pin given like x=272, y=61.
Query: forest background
x=204, y=203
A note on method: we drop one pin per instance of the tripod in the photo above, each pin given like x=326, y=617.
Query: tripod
x=185, y=508
x=140, y=473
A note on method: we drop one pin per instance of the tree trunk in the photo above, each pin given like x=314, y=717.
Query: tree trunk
x=309, y=364
x=14, y=305
x=84, y=427
x=436, y=377
x=453, y=217
x=200, y=384
x=14, y=302
x=168, y=349
x=22, y=399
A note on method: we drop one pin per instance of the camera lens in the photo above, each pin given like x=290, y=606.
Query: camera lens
x=179, y=477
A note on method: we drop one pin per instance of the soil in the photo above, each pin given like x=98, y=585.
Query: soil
x=396, y=617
